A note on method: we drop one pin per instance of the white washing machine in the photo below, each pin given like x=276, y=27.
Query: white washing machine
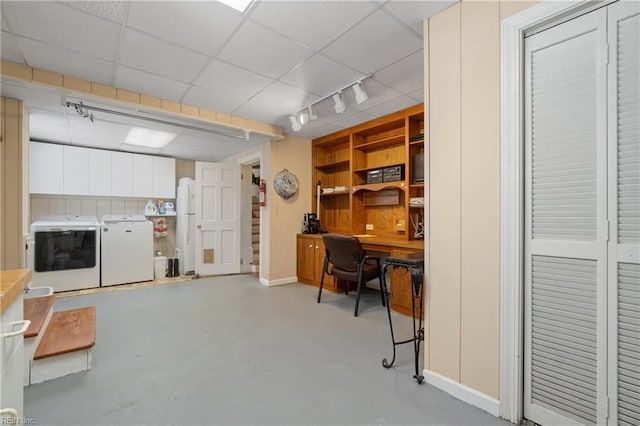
x=127, y=249
x=65, y=253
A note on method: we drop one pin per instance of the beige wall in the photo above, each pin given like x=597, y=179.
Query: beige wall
x=13, y=183
x=462, y=80
x=285, y=216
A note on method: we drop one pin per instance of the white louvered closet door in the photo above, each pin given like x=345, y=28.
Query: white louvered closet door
x=624, y=212
x=565, y=223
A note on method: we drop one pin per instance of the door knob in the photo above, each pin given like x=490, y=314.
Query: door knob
x=199, y=226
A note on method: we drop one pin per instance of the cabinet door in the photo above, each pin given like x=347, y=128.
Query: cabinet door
x=142, y=176
x=121, y=174
x=329, y=281
x=306, y=260
x=45, y=168
x=99, y=172
x=164, y=177
x=76, y=170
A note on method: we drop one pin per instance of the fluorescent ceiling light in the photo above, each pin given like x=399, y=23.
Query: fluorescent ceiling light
x=239, y=5
x=141, y=136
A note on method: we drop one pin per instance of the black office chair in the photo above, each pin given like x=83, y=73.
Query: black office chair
x=349, y=263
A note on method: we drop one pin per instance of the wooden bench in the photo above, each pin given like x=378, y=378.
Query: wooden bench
x=66, y=346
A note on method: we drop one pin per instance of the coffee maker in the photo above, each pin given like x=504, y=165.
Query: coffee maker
x=311, y=224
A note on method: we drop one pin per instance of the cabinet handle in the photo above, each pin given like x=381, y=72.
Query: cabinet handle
x=25, y=325
x=317, y=247
x=310, y=245
x=11, y=412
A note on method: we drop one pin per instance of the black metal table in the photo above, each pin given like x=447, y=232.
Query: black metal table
x=414, y=264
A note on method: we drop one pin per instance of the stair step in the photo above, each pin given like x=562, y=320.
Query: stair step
x=68, y=331
x=36, y=310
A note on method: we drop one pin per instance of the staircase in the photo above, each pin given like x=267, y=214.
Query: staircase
x=56, y=344
x=255, y=233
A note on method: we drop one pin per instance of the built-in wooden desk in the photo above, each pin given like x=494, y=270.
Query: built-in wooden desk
x=310, y=258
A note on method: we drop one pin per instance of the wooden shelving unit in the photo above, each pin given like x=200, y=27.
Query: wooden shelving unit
x=345, y=158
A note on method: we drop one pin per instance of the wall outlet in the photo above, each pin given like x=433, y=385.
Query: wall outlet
x=369, y=227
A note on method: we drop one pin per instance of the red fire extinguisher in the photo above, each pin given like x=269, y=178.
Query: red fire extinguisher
x=263, y=193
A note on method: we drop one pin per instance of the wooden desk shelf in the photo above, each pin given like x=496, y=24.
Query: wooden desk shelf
x=344, y=158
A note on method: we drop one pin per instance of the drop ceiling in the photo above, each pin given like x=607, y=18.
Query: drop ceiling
x=273, y=60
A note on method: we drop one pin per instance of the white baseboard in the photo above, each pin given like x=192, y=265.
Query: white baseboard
x=281, y=281
x=464, y=393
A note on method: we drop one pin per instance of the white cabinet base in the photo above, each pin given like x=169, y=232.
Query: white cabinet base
x=61, y=365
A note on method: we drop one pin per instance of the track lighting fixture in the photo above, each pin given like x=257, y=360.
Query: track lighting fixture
x=304, y=115
x=361, y=95
x=339, y=106
x=295, y=124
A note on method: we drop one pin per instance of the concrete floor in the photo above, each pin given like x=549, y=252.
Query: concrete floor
x=227, y=350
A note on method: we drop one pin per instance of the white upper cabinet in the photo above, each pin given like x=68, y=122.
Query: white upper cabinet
x=121, y=174
x=99, y=172
x=164, y=177
x=45, y=168
x=142, y=175
x=75, y=170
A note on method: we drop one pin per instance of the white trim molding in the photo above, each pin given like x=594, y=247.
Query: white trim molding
x=281, y=281
x=462, y=392
x=512, y=32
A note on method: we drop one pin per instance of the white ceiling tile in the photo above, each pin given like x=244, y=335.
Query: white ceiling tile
x=155, y=85
x=203, y=26
x=94, y=139
x=321, y=75
x=374, y=43
x=255, y=47
x=274, y=102
x=324, y=20
x=377, y=94
x=418, y=95
x=53, y=58
x=111, y=10
x=414, y=12
x=181, y=150
x=401, y=102
x=102, y=124
x=42, y=117
x=4, y=23
x=160, y=57
x=352, y=120
x=205, y=98
x=63, y=26
x=49, y=133
x=231, y=81
x=406, y=75
x=138, y=149
x=194, y=141
x=9, y=48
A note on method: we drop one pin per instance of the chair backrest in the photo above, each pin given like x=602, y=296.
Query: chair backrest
x=344, y=251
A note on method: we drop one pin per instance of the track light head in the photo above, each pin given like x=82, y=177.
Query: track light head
x=295, y=125
x=339, y=106
x=303, y=117
x=361, y=95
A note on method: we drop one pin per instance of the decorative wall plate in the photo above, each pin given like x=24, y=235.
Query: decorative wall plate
x=285, y=184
